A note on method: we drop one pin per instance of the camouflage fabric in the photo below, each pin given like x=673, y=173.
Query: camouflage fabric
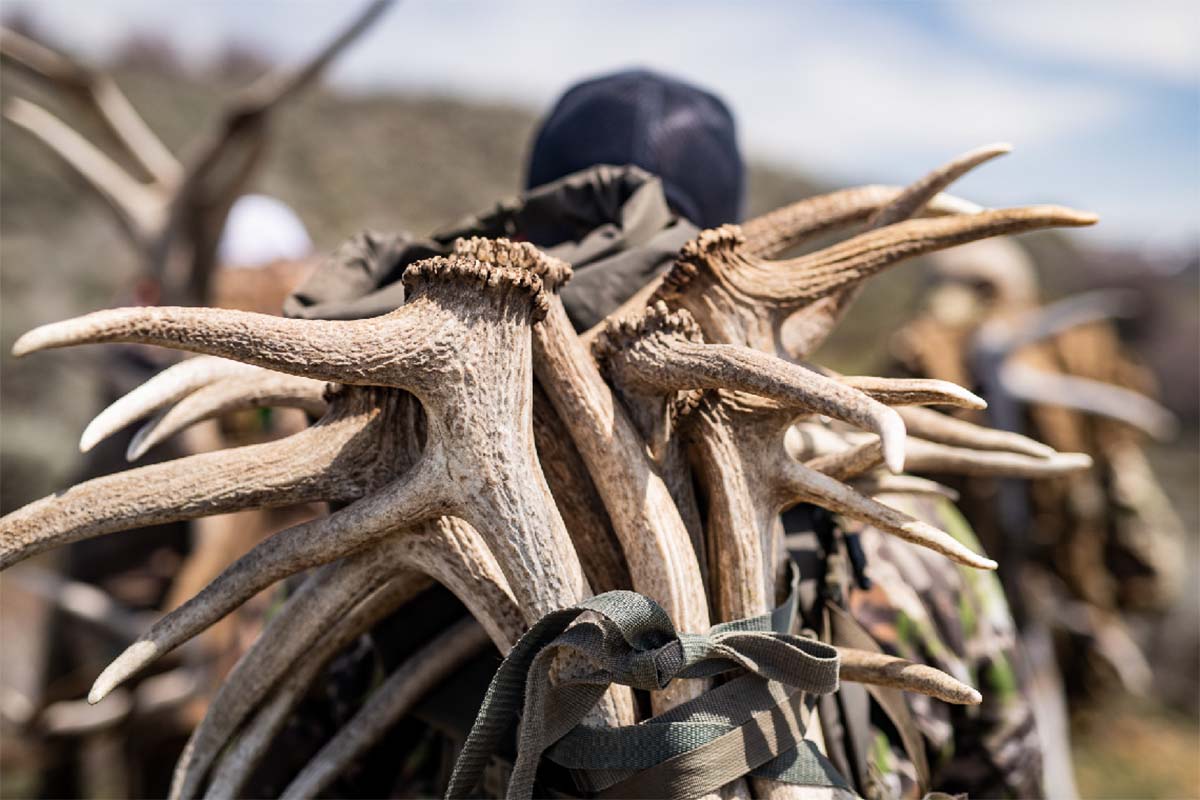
x=923, y=607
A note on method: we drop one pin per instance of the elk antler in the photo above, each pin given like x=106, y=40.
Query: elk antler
x=461, y=345
x=175, y=220
x=240, y=757
x=99, y=94
x=660, y=353
x=447, y=550
x=658, y=551
x=737, y=297
x=259, y=389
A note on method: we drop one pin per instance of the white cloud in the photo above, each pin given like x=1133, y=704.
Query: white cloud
x=827, y=86
x=1160, y=38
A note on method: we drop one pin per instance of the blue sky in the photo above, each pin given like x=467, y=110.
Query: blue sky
x=1101, y=99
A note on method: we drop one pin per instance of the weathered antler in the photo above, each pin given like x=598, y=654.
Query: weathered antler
x=859, y=457
x=804, y=331
x=780, y=230
x=740, y=442
x=736, y=297
x=240, y=757
x=167, y=387
x=99, y=95
x=447, y=550
x=936, y=427
x=462, y=346
x=658, y=550
x=326, y=462
x=736, y=446
x=661, y=353
x=259, y=389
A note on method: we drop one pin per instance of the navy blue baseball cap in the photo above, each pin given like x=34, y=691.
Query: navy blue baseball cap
x=684, y=135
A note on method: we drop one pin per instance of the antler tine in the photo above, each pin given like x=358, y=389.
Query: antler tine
x=879, y=669
x=940, y=458
x=138, y=207
x=808, y=329
x=101, y=95
x=391, y=350
x=323, y=598
x=943, y=429
x=661, y=352
x=924, y=456
x=852, y=261
x=172, y=384
x=298, y=469
x=882, y=483
x=784, y=228
x=277, y=87
x=251, y=744
x=408, y=500
x=259, y=389
x=789, y=306
x=810, y=485
x=787, y=227
x=914, y=196
x=310, y=348
x=914, y=391
x=1135, y=409
x=392, y=700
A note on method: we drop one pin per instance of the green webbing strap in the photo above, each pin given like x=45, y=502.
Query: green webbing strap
x=631, y=640
x=745, y=727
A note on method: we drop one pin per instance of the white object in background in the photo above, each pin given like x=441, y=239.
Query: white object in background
x=261, y=230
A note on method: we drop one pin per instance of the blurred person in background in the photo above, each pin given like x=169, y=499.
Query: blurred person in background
x=1096, y=557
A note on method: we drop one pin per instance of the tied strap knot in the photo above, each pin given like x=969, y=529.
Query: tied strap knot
x=790, y=659
x=629, y=639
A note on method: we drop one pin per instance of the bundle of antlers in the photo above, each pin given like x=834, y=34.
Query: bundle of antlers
x=472, y=438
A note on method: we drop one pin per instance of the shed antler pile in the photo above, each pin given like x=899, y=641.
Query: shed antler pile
x=687, y=433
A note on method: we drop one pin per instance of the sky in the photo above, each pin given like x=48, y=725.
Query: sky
x=1101, y=99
